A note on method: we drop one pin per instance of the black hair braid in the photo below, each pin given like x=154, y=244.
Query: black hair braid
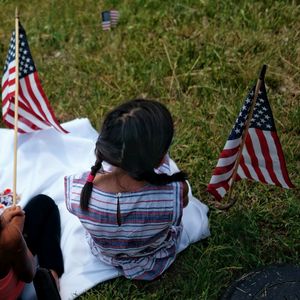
x=162, y=179
x=88, y=187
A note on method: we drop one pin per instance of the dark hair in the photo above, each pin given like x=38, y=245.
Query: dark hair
x=135, y=137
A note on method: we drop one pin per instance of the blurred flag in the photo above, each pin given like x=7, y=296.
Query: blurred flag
x=34, y=112
x=106, y=20
x=109, y=19
x=114, y=17
x=262, y=157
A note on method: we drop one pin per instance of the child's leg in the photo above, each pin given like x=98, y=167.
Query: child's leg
x=42, y=232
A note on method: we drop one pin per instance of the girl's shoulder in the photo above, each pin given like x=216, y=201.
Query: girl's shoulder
x=73, y=184
x=76, y=181
x=76, y=178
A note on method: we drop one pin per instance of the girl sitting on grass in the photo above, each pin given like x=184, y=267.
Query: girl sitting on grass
x=23, y=237
x=130, y=204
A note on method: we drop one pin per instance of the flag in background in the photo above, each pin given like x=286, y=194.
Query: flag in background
x=109, y=19
x=34, y=112
x=262, y=158
x=105, y=20
x=114, y=17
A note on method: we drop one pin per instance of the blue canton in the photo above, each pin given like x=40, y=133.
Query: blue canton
x=26, y=64
x=262, y=117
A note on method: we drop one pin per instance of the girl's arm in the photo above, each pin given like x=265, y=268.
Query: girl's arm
x=185, y=194
x=21, y=259
x=14, y=246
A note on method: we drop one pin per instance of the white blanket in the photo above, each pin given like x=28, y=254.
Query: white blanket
x=44, y=158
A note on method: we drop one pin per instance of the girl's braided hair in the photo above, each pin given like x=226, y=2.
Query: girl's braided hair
x=135, y=137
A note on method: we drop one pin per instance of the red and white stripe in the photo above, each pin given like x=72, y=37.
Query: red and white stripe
x=34, y=111
x=106, y=25
x=114, y=17
x=262, y=160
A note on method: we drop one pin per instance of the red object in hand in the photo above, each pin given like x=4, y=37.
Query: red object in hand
x=7, y=192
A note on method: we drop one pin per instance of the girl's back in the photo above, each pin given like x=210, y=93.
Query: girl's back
x=132, y=224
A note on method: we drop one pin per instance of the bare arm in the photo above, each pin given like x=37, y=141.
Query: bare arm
x=185, y=194
x=22, y=261
x=13, y=245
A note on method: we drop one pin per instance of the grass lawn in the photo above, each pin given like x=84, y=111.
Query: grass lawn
x=199, y=57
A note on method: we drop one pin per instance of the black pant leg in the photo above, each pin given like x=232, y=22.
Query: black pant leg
x=42, y=232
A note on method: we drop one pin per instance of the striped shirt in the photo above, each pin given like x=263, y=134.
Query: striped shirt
x=145, y=243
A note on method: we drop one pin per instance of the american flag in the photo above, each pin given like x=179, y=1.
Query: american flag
x=109, y=19
x=262, y=158
x=114, y=17
x=34, y=111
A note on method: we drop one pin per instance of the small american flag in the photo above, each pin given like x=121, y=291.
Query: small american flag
x=109, y=19
x=34, y=112
x=262, y=158
x=114, y=17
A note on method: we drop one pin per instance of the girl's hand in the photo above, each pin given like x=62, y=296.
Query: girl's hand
x=13, y=214
x=12, y=223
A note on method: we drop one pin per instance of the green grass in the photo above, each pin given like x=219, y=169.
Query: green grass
x=199, y=57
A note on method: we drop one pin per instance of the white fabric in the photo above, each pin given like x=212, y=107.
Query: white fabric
x=44, y=158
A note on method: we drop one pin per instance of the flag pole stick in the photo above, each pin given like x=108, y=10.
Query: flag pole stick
x=16, y=107
x=245, y=133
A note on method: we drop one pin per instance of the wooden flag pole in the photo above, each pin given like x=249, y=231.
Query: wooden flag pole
x=16, y=108
x=245, y=133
